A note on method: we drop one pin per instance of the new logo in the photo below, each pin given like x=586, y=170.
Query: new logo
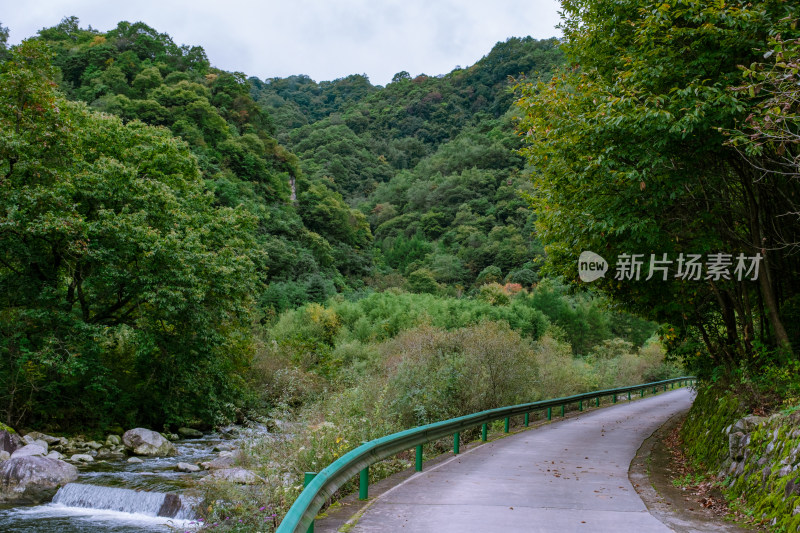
x=591, y=266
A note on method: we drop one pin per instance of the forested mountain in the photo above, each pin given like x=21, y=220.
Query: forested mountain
x=430, y=160
x=156, y=208
x=137, y=73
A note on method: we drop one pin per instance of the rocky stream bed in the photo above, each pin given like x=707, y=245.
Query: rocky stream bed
x=140, y=481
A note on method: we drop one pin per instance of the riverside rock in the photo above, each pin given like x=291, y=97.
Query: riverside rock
x=36, y=435
x=219, y=463
x=241, y=476
x=9, y=441
x=142, y=441
x=33, y=479
x=189, y=433
x=187, y=467
x=28, y=450
x=29, y=439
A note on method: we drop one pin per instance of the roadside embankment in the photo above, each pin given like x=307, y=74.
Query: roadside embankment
x=755, y=458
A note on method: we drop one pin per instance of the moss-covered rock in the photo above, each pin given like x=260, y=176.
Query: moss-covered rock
x=704, y=432
x=757, y=459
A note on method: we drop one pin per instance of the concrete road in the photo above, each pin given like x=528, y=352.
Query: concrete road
x=571, y=475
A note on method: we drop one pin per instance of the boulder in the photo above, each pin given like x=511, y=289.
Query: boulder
x=737, y=442
x=4, y=455
x=35, y=435
x=28, y=450
x=33, y=479
x=135, y=460
x=113, y=440
x=28, y=439
x=189, y=433
x=142, y=441
x=106, y=453
x=9, y=441
x=187, y=467
x=81, y=458
x=241, y=476
x=219, y=463
x=747, y=424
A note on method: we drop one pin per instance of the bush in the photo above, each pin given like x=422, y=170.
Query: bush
x=490, y=274
x=437, y=374
x=423, y=280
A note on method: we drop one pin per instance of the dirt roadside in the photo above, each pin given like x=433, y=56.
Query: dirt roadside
x=692, y=508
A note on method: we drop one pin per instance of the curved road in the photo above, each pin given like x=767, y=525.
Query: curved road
x=571, y=475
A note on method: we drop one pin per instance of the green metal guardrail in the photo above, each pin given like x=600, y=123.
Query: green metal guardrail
x=319, y=487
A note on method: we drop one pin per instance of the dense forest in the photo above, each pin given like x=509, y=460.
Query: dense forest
x=679, y=136
x=160, y=218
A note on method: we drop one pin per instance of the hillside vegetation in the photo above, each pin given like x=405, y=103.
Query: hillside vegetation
x=159, y=213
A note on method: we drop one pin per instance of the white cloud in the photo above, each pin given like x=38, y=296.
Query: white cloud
x=322, y=38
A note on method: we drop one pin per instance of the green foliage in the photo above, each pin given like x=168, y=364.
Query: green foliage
x=124, y=290
x=139, y=74
x=630, y=156
x=423, y=280
x=381, y=316
x=490, y=274
x=444, y=374
x=431, y=160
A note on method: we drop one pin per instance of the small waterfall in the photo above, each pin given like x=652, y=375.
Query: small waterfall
x=124, y=500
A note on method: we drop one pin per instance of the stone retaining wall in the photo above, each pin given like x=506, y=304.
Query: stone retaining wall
x=756, y=458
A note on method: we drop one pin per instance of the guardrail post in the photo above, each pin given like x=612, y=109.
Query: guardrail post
x=418, y=459
x=665, y=387
x=629, y=395
x=597, y=401
x=654, y=390
x=562, y=410
x=615, y=398
x=549, y=413
x=580, y=405
x=456, y=443
x=641, y=393
x=527, y=419
x=363, y=484
x=307, y=477
x=506, y=424
x=484, y=432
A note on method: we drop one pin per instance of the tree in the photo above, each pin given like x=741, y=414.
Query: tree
x=124, y=294
x=3, y=42
x=401, y=76
x=629, y=153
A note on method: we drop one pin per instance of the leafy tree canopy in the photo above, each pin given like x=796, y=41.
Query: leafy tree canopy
x=629, y=152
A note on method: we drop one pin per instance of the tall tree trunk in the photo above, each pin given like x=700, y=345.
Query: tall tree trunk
x=767, y=288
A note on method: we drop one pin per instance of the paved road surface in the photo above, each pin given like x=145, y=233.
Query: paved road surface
x=571, y=475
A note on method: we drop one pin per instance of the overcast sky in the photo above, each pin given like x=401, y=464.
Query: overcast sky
x=325, y=39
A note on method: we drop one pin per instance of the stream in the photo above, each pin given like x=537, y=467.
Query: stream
x=117, y=496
